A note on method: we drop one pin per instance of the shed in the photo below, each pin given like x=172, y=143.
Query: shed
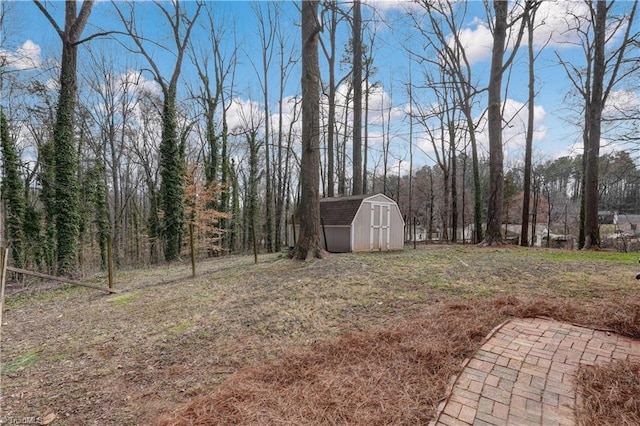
x=358, y=223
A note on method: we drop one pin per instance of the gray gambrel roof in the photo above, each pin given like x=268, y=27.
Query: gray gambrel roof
x=340, y=210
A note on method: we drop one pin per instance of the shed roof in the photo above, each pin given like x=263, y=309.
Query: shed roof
x=340, y=210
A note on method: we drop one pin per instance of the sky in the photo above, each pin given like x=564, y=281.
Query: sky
x=30, y=45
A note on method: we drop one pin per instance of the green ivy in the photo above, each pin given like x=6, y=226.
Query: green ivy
x=13, y=193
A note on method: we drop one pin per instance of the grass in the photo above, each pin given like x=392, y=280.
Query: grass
x=124, y=299
x=168, y=341
x=21, y=363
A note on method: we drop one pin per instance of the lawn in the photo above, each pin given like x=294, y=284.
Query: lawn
x=351, y=339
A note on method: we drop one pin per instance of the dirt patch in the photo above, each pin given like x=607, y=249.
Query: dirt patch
x=91, y=358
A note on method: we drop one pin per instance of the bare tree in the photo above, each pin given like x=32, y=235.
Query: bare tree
x=524, y=232
x=287, y=61
x=357, y=99
x=440, y=122
x=213, y=92
x=171, y=149
x=267, y=36
x=445, y=37
x=330, y=54
x=308, y=244
x=494, y=113
x=598, y=29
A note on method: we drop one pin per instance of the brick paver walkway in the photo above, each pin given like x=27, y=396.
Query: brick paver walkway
x=524, y=374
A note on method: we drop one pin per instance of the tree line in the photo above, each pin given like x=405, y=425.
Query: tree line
x=98, y=151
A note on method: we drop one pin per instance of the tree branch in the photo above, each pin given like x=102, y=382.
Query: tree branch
x=47, y=15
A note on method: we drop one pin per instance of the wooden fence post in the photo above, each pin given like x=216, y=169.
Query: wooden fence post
x=4, y=255
x=255, y=245
x=110, y=260
x=293, y=228
x=193, y=250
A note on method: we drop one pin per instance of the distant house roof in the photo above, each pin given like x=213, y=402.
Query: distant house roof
x=629, y=218
x=340, y=210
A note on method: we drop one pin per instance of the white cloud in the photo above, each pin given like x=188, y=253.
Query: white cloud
x=291, y=110
x=133, y=78
x=515, y=128
x=621, y=101
x=244, y=114
x=26, y=57
x=557, y=25
x=476, y=40
x=52, y=84
x=388, y=5
x=379, y=103
x=557, y=22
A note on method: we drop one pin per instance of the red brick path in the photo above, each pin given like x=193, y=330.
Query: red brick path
x=524, y=374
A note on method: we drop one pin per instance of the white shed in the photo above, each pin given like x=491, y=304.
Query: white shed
x=359, y=223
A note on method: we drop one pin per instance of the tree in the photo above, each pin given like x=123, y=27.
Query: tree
x=330, y=54
x=524, y=231
x=112, y=116
x=12, y=193
x=287, y=60
x=357, y=100
x=145, y=150
x=267, y=40
x=172, y=167
x=595, y=105
x=440, y=123
x=601, y=30
x=67, y=205
x=213, y=94
x=445, y=18
x=494, y=116
x=308, y=244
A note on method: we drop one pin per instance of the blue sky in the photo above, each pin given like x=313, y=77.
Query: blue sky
x=30, y=42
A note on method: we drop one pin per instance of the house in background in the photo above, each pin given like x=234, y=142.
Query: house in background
x=629, y=223
x=358, y=223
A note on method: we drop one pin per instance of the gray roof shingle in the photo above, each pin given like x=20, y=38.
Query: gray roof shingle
x=340, y=210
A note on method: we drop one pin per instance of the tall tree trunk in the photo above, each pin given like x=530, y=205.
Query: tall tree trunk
x=331, y=118
x=172, y=172
x=67, y=204
x=267, y=42
x=66, y=159
x=524, y=231
x=12, y=191
x=592, y=149
x=357, y=100
x=496, y=153
x=454, y=184
x=252, y=207
x=308, y=244
x=366, y=137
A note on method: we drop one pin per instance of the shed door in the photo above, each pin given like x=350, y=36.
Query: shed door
x=380, y=229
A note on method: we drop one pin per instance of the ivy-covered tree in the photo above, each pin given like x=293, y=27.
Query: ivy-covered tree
x=12, y=193
x=97, y=199
x=172, y=167
x=67, y=205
